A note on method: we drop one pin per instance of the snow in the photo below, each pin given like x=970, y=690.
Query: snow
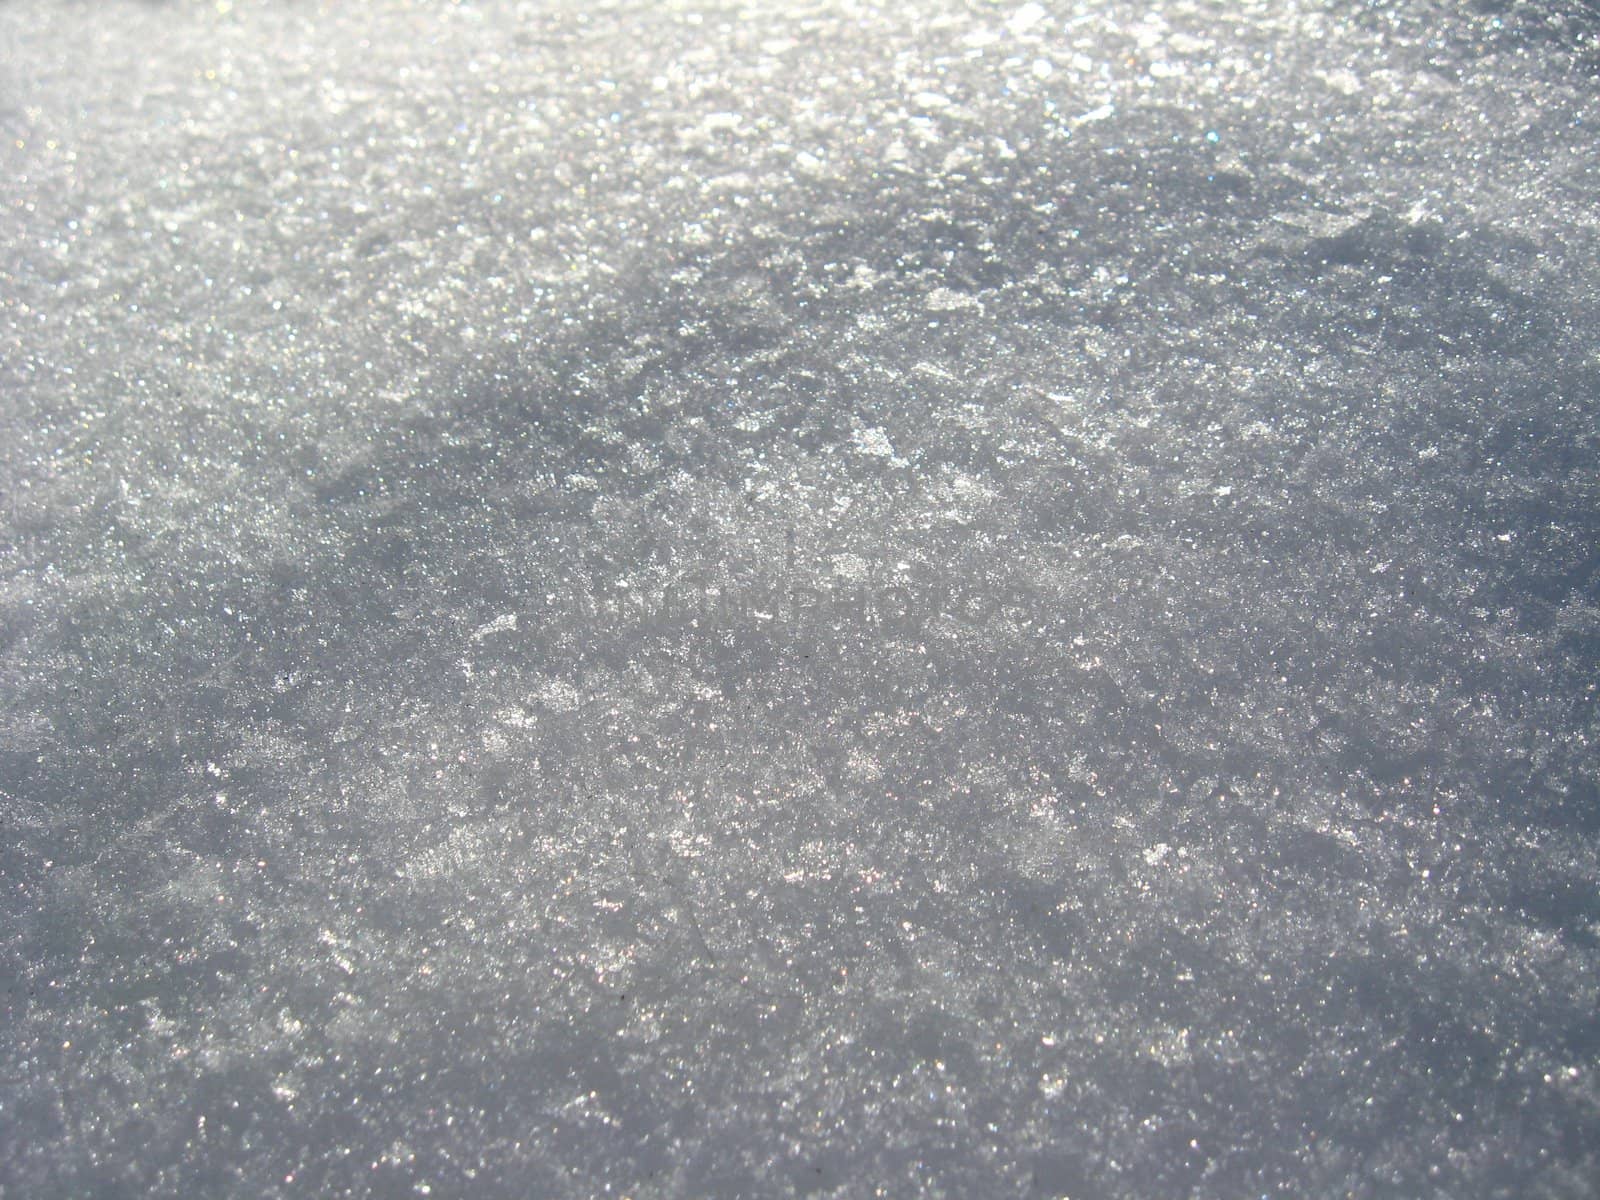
x=762, y=600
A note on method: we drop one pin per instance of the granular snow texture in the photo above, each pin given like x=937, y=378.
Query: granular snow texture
x=642, y=600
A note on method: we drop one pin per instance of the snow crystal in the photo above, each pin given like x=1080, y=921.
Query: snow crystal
x=504, y=623
x=1025, y=17
x=873, y=442
x=944, y=300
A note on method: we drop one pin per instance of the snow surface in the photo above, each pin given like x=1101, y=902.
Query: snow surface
x=824, y=599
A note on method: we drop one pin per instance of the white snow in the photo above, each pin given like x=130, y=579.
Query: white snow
x=661, y=599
